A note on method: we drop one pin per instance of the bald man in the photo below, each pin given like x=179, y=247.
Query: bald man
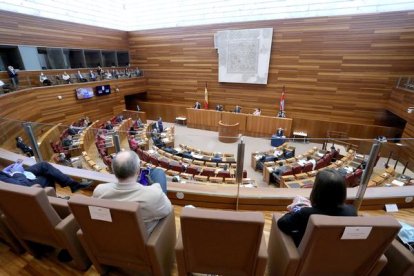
x=153, y=201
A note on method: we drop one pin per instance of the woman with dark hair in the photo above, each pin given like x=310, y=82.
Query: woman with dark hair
x=327, y=198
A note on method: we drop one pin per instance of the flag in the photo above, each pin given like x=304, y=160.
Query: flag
x=205, y=97
x=282, y=100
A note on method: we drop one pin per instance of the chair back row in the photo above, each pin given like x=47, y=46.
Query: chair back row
x=113, y=234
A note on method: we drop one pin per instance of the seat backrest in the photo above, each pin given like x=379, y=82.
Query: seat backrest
x=208, y=171
x=307, y=168
x=113, y=230
x=29, y=214
x=193, y=169
x=324, y=251
x=221, y=242
x=223, y=174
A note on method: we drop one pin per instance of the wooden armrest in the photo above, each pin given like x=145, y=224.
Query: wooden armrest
x=283, y=254
x=50, y=191
x=400, y=260
x=160, y=244
x=60, y=205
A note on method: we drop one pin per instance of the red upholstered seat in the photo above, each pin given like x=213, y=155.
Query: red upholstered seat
x=208, y=172
x=154, y=160
x=193, y=169
x=307, y=168
x=164, y=162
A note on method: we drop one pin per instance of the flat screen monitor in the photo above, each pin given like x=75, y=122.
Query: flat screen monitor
x=84, y=93
x=103, y=90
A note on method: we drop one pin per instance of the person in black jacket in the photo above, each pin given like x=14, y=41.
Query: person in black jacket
x=42, y=173
x=13, y=76
x=327, y=198
x=23, y=147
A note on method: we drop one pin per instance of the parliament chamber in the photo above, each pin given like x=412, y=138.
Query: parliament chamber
x=340, y=77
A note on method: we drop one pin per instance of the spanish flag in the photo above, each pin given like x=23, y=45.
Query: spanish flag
x=282, y=101
x=205, y=97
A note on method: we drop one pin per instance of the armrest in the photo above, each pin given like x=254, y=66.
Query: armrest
x=50, y=191
x=283, y=255
x=261, y=258
x=60, y=205
x=160, y=244
x=400, y=260
x=66, y=230
x=179, y=254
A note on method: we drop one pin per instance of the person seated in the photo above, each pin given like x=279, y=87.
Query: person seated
x=44, y=80
x=171, y=150
x=237, y=109
x=138, y=108
x=41, y=174
x=67, y=142
x=132, y=131
x=13, y=75
x=139, y=123
x=186, y=154
x=62, y=159
x=159, y=126
x=133, y=143
x=80, y=77
x=119, y=119
x=216, y=158
x=72, y=130
x=263, y=159
x=219, y=107
x=66, y=78
x=101, y=136
x=116, y=74
x=277, y=173
x=86, y=122
x=157, y=141
x=92, y=75
x=327, y=197
x=109, y=126
x=309, y=159
x=127, y=73
x=257, y=112
x=281, y=114
x=138, y=72
x=197, y=105
x=99, y=72
x=288, y=153
x=23, y=147
x=280, y=132
x=153, y=201
x=107, y=75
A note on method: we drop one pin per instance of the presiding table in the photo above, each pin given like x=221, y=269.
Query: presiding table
x=258, y=126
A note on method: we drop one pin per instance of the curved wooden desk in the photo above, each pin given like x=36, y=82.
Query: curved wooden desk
x=228, y=133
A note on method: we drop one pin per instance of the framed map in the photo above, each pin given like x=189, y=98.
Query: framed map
x=244, y=55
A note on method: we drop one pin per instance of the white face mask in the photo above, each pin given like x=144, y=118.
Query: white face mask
x=406, y=235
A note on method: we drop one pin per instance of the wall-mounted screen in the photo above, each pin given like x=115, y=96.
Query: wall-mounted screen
x=84, y=93
x=103, y=90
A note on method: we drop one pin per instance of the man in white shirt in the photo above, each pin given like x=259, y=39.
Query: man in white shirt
x=257, y=112
x=154, y=203
x=312, y=161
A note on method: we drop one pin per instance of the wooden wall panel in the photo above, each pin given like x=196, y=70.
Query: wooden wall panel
x=21, y=29
x=168, y=112
x=41, y=104
x=399, y=101
x=319, y=129
x=339, y=69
